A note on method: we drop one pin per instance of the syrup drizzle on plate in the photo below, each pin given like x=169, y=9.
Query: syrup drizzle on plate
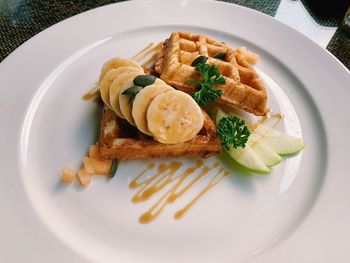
x=167, y=175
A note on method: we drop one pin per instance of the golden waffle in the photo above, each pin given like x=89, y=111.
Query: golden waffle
x=119, y=140
x=243, y=89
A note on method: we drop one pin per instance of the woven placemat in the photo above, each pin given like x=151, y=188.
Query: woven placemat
x=339, y=46
x=22, y=19
x=266, y=6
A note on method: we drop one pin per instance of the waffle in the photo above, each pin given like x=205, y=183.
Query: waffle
x=243, y=89
x=119, y=140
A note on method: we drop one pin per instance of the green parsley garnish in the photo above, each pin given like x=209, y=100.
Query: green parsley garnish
x=211, y=76
x=233, y=132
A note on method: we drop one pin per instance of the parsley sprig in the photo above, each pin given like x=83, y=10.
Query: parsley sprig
x=233, y=132
x=211, y=76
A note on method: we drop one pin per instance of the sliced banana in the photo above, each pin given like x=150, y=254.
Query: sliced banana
x=174, y=117
x=109, y=78
x=116, y=63
x=125, y=104
x=120, y=82
x=141, y=103
x=159, y=81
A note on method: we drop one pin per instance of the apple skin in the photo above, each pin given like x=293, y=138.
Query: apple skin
x=264, y=147
x=244, y=156
x=279, y=142
x=267, y=155
x=248, y=158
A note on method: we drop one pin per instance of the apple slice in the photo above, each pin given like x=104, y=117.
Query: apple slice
x=279, y=142
x=263, y=148
x=244, y=156
x=248, y=158
x=265, y=153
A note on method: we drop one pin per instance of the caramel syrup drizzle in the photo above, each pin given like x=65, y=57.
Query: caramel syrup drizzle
x=277, y=116
x=219, y=176
x=166, y=176
x=92, y=94
x=151, y=60
x=142, y=51
x=150, y=48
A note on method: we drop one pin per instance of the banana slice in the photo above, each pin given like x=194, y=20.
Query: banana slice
x=109, y=78
x=124, y=80
x=125, y=104
x=159, y=81
x=142, y=101
x=116, y=63
x=174, y=117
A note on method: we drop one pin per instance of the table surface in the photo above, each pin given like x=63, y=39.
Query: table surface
x=22, y=19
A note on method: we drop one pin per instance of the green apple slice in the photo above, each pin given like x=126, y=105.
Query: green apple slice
x=244, y=156
x=264, y=147
x=266, y=154
x=279, y=142
x=249, y=159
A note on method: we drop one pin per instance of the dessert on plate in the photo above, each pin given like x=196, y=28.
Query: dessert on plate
x=186, y=105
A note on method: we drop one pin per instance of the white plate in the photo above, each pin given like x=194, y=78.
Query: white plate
x=298, y=213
